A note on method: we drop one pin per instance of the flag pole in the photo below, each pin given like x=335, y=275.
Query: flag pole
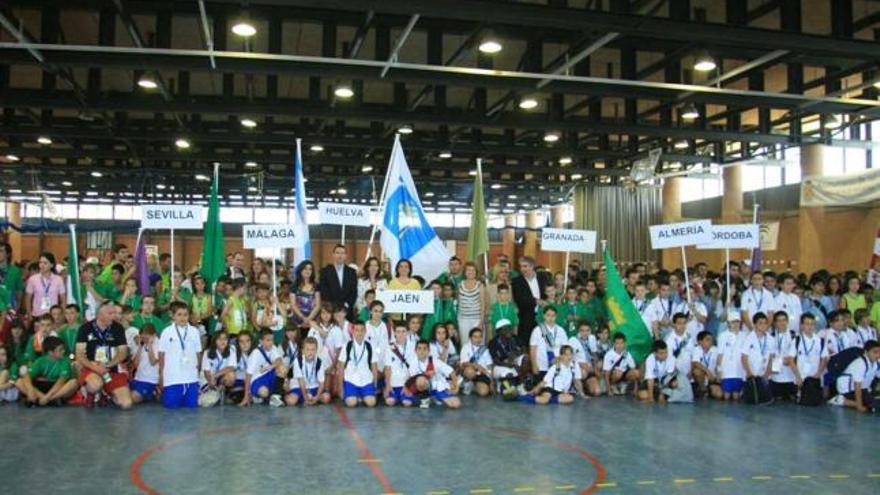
x=687, y=283
x=727, y=271
x=343, y=235
x=381, y=209
x=486, y=253
x=274, y=272
x=171, y=277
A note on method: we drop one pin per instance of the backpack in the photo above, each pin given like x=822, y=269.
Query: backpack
x=811, y=392
x=350, y=345
x=756, y=391
x=299, y=361
x=838, y=362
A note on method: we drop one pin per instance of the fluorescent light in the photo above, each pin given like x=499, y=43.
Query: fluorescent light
x=12, y=158
x=344, y=92
x=147, y=82
x=528, y=103
x=342, y=191
x=66, y=183
x=444, y=154
x=565, y=160
x=704, y=62
x=551, y=137
x=680, y=145
x=95, y=173
x=490, y=46
x=249, y=123
x=576, y=176
x=202, y=177
x=317, y=148
x=182, y=143
x=333, y=192
x=244, y=29
x=252, y=189
x=367, y=169
x=250, y=164
x=160, y=186
x=472, y=172
x=44, y=140
x=429, y=194
x=405, y=129
x=511, y=196
x=690, y=113
x=496, y=186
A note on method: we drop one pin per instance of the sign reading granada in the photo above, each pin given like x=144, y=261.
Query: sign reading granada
x=271, y=236
x=681, y=234
x=171, y=216
x=736, y=236
x=407, y=301
x=568, y=240
x=344, y=214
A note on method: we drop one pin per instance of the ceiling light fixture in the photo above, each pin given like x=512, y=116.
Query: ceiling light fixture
x=490, y=46
x=66, y=183
x=680, y=145
x=367, y=169
x=551, y=137
x=249, y=123
x=317, y=148
x=244, y=29
x=202, y=177
x=565, y=160
x=528, y=103
x=704, y=62
x=576, y=176
x=496, y=186
x=405, y=129
x=147, y=82
x=250, y=164
x=445, y=155
x=690, y=112
x=96, y=174
x=12, y=158
x=182, y=143
x=44, y=140
x=344, y=92
x=160, y=186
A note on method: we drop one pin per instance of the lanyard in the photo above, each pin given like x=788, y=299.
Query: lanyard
x=291, y=351
x=759, y=302
x=839, y=339
x=183, y=338
x=642, y=306
x=478, y=353
x=809, y=351
x=545, y=332
x=357, y=359
x=265, y=356
x=762, y=344
x=46, y=286
x=668, y=311
x=585, y=343
x=100, y=334
x=706, y=359
x=314, y=371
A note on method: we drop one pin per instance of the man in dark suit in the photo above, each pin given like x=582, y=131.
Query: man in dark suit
x=339, y=281
x=527, y=289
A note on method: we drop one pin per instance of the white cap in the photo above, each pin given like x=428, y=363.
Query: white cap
x=504, y=322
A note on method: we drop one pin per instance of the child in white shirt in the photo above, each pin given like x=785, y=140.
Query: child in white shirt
x=545, y=341
x=680, y=344
x=782, y=383
x=731, y=343
x=759, y=350
x=584, y=345
x=476, y=364
x=180, y=348
x=704, y=366
x=443, y=348
x=560, y=379
x=854, y=384
x=619, y=368
x=807, y=356
x=442, y=379
x=399, y=355
x=262, y=365
x=789, y=302
x=146, y=364
x=756, y=299
x=863, y=331
x=219, y=363
x=360, y=372
x=307, y=384
x=660, y=374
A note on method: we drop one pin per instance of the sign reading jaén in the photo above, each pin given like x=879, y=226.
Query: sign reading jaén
x=171, y=216
x=407, y=301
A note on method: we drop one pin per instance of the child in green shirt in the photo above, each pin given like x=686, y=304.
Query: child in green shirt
x=503, y=309
x=42, y=331
x=148, y=306
x=444, y=311
x=571, y=311
x=235, y=319
x=68, y=332
x=130, y=295
x=364, y=313
x=49, y=380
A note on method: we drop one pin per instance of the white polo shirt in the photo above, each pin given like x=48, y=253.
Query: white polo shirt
x=398, y=357
x=181, y=346
x=146, y=371
x=791, y=304
x=731, y=348
x=260, y=363
x=656, y=369
x=809, y=352
x=378, y=336
x=755, y=301
x=661, y=309
x=611, y=359
x=330, y=341
x=476, y=354
x=782, y=373
x=440, y=375
x=680, y=348
x=561, y=378
x=358, y=368
x=862, y=370
x=583, y=349
x=758, y=350
x=547, y=340
x=311, y=372
x=708, y=358
x=218, y=362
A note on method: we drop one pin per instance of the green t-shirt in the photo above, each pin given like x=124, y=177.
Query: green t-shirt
x=134, y=301
x=13, y=371
x=578, y=311
x=158, y=323
x=11, y=283
x=445, y=277
x=50, y=369
x=164, y=298
x=875, y=314
x=503, y=311
x=68, y=335
x=108, y=291
x=444, y=311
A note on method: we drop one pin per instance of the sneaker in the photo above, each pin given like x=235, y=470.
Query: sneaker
x=837, y=400
x=467, y=388
x=257, y=400
x=275, y=401
x=76, y=400
x=425, y=403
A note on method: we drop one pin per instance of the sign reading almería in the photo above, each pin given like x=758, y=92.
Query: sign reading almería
x=568, y=240
x=345, y=214
x=171, y=216
x=271, y=236
x=681, y=234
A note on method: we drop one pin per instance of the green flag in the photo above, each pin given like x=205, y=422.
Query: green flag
x=623, y=316
x=213, y=262
x=478, y=235
x=74, y=293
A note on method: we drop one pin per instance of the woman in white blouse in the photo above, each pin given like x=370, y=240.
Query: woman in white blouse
x=371, y=278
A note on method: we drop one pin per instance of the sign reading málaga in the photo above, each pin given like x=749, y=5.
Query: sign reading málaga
x=568, y=240
x=344, y=214
x=736, y=236
x=271, y=236
x=407, y=301
x=171, y=216
x=681, y=234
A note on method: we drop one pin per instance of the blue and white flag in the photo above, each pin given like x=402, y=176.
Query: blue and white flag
x=406, y=233
x=304, y=253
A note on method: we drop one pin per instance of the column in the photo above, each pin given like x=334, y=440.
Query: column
x=530, y=242
x=13, y=212
x=508, y=237
x=810, y=220
x=671, y=258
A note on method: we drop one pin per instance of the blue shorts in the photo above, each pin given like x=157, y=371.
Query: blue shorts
x=732, y=385
x=399, y=395
x=144, y=389
x=239, y=383
x=349, y=390
x=267, y=380
x=181, y=395
x=828, y=379
x=440, y=395
x=297, y=392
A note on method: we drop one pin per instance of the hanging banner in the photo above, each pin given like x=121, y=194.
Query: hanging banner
x=171, y=217
x=568, y=240
x=407, y=301
x=681, y=234
x=769, y=236
x=271, y=236
x=736, y=236
x=345, y=214
x=841, y=190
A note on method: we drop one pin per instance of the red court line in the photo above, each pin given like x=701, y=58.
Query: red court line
x=366, y=455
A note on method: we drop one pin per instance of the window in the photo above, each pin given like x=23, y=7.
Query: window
x=32, y=211
x=793, y=167
x=756, y=177
x=695, y=189
x=838, y=160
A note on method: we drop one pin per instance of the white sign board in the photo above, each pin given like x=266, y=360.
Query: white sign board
x=877, y=246
x=271, y=236
x=568, y=240
x=737, y=236
x=681, y=234
x=171, y=217
x=343, y=214
x=152, y=250
x=407, y=301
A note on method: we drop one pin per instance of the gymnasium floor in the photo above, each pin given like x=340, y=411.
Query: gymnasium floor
x=601, y=446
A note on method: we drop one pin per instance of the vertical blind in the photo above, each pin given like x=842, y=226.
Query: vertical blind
x=620, y=215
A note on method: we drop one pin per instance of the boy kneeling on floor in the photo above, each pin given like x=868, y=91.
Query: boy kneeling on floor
x=854, y=384
x=619, y=368
x=561, y=377
x=660, y=375
x=438, y=373
x=48, y=380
